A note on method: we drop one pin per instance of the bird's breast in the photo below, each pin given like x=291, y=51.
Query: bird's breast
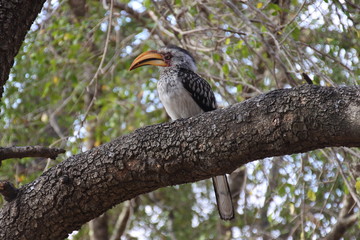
x=176, y=99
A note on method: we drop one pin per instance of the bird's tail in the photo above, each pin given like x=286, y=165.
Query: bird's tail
x=223, y=197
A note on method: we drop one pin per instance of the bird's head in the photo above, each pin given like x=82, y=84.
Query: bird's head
x=167, y=57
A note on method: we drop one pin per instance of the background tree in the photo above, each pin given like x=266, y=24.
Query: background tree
x=70, y=88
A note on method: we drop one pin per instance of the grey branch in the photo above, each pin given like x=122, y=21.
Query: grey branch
x=29, y=151
x=281, y=122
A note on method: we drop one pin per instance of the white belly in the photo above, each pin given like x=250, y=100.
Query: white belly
x=177, y=100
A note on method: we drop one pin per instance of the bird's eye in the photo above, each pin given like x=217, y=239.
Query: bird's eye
x=167, y=57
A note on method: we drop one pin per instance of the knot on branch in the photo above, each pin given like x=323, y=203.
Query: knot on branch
x=8, y=190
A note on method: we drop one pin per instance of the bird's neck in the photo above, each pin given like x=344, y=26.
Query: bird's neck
x=169, y=70
x=174, y=69
x=168, y=74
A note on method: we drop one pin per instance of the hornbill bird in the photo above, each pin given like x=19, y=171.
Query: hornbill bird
x=184, y=94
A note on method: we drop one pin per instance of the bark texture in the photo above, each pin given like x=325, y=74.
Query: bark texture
x=16, y=17
x=86, y=185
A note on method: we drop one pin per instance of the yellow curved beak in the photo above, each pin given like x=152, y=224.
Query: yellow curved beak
x=148, y=58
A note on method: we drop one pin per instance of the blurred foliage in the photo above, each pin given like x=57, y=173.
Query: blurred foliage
x=67, y=74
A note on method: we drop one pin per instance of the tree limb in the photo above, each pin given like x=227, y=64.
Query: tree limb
x=280, y=122
x=16, y=17
x=29, y=151
x=345, y=220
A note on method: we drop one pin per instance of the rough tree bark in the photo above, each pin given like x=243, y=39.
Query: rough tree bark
x=16, y=17
x=86, y=185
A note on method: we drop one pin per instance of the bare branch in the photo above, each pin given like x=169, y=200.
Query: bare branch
x=29, y=151
x=345, y=220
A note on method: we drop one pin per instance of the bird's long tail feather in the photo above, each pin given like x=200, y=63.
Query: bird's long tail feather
x=223, y=197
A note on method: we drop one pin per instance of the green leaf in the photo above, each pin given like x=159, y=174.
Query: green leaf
x=216, y=57
x=147, y=3
x=274, y=7
x=346, y=190
x=239, y=45
x=296, y=33
x=225, y=69
x=357, y=185
x=46, y=89
x=311, y=195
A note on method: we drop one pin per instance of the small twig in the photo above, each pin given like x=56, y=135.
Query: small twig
x=351, y=151
x=29, y=151
x=260, y=13
x=347, y=183
x=232, y=80
x=192, y=31
x=100, y=67
x=352, y=4
x=345, y=220
x=327, y=56
x=141, y=17
x=159, y=25
x=291, y=21
x=8, y=190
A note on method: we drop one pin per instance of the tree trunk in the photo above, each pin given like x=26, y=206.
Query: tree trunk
x=84, y=186
x=16, y=17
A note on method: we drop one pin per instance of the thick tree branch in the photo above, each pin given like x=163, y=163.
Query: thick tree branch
x=29, y=151
x=277, y=123
x=16, y=17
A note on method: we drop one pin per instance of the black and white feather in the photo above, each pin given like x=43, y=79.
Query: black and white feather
x=199, y=89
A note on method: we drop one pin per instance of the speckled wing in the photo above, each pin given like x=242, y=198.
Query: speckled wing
x=199, y=89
